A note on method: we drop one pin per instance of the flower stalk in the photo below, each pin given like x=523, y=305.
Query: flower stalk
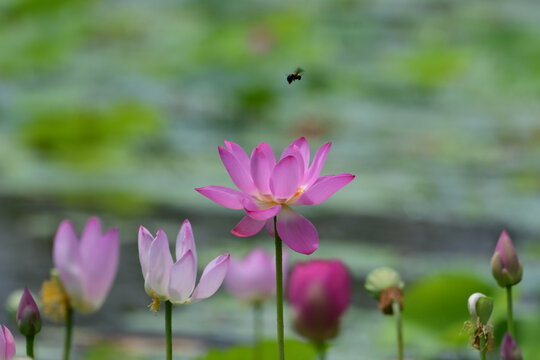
x=509, y=311
x=279, y=293
x=257, y=330
x=396, y=308
x=30, y=346
x=168, y=329
x=69, y=332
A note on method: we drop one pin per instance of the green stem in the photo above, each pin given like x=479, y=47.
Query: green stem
x=279, y=293
x=321, y=348
x=168, y=329
x=396, y=308
x=69, y=331
x=483, y=347
x=257, y=330
x=30, y=346
x=509, y=310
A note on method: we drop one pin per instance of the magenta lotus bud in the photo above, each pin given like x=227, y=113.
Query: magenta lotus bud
x=510, y=349
x=319, y=292
x=253, y=278
x=28, y=317
x=7, y=344
x=505, y=265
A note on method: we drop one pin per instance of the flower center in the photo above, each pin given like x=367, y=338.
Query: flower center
x=54, y=299
x=156, y=303
x=299, y=192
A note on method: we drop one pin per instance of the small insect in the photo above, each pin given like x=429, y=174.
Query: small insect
x=295, y=75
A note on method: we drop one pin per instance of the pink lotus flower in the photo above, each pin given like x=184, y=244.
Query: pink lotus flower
x=269, y=189
x=253, y=278
x=319, y=292
x=165, y=279
x=87, y=268
x=7, y=344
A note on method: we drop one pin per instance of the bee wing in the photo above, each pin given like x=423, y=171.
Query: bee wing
x=299, y=70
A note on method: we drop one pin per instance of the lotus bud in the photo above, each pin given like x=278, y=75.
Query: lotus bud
x=385, y=285
x=319, y=292
x=28, y=317
x=7, y=344
x=480, y=307
x=505, y=265
x=510, y=349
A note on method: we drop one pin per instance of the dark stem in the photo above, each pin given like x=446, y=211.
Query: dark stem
x=168, y=329
x=509, y=311
x=396, y=309
x=279, y=293
x=30, y=346
x=257, y=330
x=69, y=331
x=321, y=348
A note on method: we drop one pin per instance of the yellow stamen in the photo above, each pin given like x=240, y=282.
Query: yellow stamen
x=54, y=299
x=156, y=303
x=299, y=192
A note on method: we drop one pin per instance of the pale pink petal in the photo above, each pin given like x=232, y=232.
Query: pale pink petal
x=317, y=164
x=252, y=278
x=267, y=150
x=67, y=261
x=247, y=227
x=238, y=153
x=90, y=235
x=270, y=227
x=160, y=263
x=303, y=148
x=296, y=231
x=258, y=213
x=185, y=241
x=261, y=168
x=323, y=188
x=145, y=240
x=7, y=343
x=100, y=269
x=285, y=178
x=239, y=174
x=224, y=196
x=182, y=278
x=212, y=277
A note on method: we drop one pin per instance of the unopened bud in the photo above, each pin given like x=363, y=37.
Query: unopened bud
x=505, y=265
x=510, y=349
x=480, y=307
x=28, y=317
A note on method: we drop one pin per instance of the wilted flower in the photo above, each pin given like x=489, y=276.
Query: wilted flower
x=269, y=189
x=253, y=278
x=480, y=307
x=510, y=349
x=165, y=279
x=87, y=267
x=505, y=265
x=385, y=285
x=319, y=292
x=7, y=344
x=28, y=317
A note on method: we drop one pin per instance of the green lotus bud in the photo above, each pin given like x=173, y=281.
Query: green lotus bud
x=505, y=265
x=480, y=307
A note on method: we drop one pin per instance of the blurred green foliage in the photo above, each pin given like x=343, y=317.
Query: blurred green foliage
x=293, y=350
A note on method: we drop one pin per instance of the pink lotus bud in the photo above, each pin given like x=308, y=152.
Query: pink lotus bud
x=510, y=349
x=320, y=292
x=28, y=318
x=505, y=265
x=7, y=344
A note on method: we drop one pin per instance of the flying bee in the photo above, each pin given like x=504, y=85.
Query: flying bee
x=295, y=75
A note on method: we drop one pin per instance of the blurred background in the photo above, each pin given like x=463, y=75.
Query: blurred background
x=116, y=108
